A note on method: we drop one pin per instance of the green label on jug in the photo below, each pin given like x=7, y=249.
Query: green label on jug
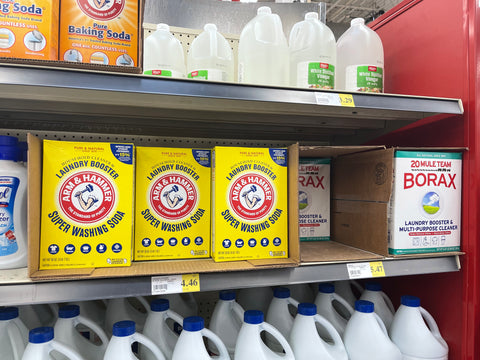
x=321, y=75
x=369, y=79
x=198, y=74
x=166, y=73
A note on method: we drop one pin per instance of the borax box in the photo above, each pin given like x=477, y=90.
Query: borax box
x=249, y=203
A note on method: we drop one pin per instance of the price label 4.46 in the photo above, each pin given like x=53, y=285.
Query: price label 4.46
x=174, y=284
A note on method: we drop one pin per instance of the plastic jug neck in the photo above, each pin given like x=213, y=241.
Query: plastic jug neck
x=163, y=27
x=357, y=22
x=311, y=16
x=264, y=10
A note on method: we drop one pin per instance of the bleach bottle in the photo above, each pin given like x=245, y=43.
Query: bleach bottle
x=306, y=342
x=345, y=289
x=210, y=56
x=250, y=344
x=42, y=344
x=122, y=309
x=69, y=319
x=360, y=59
x=313, y=54
x=120, y=345
x=255, y=298
x=190, y=345
x=157, y=329
x=301, y=292
x=263, y=55
x=416, y=333
x=366, y=337
x=38, y=315
x=383, y=305
x=163, y=54
x=13, y=334
x=13, y=205
x=226, y=320
x=183, y=304
x=279, y=316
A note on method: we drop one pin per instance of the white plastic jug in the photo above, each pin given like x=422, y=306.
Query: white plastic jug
x=226, y=320
x=123, y=336
x=250, y=344
x=122, y=309
x=157, y=329
x=38, y=315
x=325, y=307
x=183, y=304
x=263, y=55
x=69, y=319
x=210, y=56
x=305, y=341
x=279, y=316
x=313, y=54
x=255, y=298
x=383, y=305
x=13, y=334
x=366, y=337
x=42, y=344
x=360, y=59
x=190, y=345
x=416, y=333
x=301, y=292
x=163, y=54
x=345, y=289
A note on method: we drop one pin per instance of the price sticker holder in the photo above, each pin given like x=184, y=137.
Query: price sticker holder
x=174, y=284
x=366, y=270
x=333, y=99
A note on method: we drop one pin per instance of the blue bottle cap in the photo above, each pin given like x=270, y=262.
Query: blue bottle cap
x=307, y=309
x=227, y=295
x=8, y=148
x=373, y=286
x=68, y=311
x=327, y=288
x=40, y=335
x=193, y=323
x=364, y=306
x=158, y=305
x=124, y=328
x=253, y=317
x=411, y=301
x=281, y=292
x=8, y=313
x=8, y=140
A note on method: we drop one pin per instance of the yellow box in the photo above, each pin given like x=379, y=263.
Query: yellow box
x=87, y=205
x=172, y=216
x=249, y=203
x=99, y=32
x=29, y=29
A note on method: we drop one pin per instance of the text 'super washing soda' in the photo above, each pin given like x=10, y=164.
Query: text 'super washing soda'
x=29, y=29
x=172, y=218
x=87, y=205
x=425, y=208
x=101, y=32
x=249, y=207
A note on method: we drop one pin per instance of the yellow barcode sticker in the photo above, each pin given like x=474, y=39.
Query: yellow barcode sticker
x=190, y=283
x=346, y=100
x=377, y=269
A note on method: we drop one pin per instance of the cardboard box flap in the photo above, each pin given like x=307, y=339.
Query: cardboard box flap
x=62, y=275
x=328, y=251
x=293, y=212
x=35, y=161
x=334, y=151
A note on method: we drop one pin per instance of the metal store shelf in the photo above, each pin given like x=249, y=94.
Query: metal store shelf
x=18, y=289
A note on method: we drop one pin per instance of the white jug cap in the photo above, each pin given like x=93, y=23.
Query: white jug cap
x=264, y=10
x=357, y=21
x=210, y=27
x=311, y=16
x=163, y=27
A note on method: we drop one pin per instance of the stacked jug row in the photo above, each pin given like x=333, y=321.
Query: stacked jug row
x=311, y=58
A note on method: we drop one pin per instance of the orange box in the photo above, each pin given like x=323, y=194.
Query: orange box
x=99, y=31
x=29, y=29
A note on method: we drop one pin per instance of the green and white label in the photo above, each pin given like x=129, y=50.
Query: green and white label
x=208, y=74
x=364, y=78
x=315, y=75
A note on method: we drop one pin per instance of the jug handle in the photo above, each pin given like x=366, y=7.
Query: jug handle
x=170, y=314
x=65, y=350
x=279, y=337
x=143, y=302
x=388, y=302
x=97, y=329
x=381, y=323
x=238, y=311
x=357, y=285
x=142, y=339
x=14, y=334
x=433, y=326
x=344, y=302
x=218, y=343
x=337, y=340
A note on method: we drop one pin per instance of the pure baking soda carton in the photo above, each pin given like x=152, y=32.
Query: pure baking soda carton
x=87, y=205
x=425, y=208
x=172, y=216
x=249, y=206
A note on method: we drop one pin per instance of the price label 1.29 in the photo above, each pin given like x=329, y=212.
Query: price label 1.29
x=174, y=284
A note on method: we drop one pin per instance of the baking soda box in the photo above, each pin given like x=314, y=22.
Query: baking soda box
x=249, y=206
x=29, y=29
x=425, y=209
x=87, y=205
x=172, y=217
x=314, y=199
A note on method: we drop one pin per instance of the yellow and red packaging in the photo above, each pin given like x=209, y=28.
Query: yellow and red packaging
x=172, y=202
x=99, y=32
x=87, y=205
x=29, y=29
x=249, y=203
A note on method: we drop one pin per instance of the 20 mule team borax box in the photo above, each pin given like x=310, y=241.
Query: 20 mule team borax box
x=249, y=203
x=87, y=205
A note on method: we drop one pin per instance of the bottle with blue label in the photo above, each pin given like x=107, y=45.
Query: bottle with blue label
x=13, y=206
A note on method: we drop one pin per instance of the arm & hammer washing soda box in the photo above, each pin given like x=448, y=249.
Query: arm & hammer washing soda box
x=425, y=208
x=172, y=217
x=249, y=203
x=87, y=205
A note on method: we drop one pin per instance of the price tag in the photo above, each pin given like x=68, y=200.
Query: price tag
x=333, y=99
x=377, y=269
x=174, y=284
x=365, y=270
x=346, y=100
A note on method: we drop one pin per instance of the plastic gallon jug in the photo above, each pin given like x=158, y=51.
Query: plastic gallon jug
x=13, y=205
x=123, y=336
x=226, y=320
x=279, y=316
x=305, y=341
x=122, y=309
x=183, y=304
x=366, y=337
x=163, y=54
x=69, y=319
x=416, y=333
x=301, y=292
x=255, y=298
x=360, y=59
x=42, y=344
x=250, y=344
x=38, y=315
x=157, y=329
x=263, y=55
x=345, y=290
x=325, y=307
x=210, y=56
x=13, y=334
x=383, y=305
x=313, y=54
x=190, y=345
